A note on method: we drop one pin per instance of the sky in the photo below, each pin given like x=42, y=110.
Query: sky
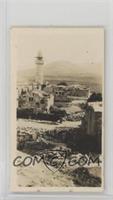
x=83, y=47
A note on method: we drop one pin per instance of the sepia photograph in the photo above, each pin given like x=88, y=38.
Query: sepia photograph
x=57, y=109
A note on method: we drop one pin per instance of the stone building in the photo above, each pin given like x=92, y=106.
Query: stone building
x=92, y=121
x=38, y=100
x=33, y=96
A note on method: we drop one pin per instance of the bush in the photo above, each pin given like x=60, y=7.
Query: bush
x=95, y=97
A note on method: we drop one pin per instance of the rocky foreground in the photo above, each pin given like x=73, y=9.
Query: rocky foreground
x=43, y=174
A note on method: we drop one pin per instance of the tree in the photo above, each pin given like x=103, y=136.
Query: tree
x=95, y=97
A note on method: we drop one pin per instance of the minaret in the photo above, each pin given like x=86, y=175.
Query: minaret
x=40, y=69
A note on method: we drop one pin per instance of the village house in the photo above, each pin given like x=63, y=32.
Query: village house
x=38, y=100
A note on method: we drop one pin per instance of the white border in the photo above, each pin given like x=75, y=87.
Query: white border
x=57, y=13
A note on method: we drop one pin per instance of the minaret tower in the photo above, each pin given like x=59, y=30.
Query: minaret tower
x=40, y=69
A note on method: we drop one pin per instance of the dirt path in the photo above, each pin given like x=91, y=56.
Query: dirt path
x=46, y=125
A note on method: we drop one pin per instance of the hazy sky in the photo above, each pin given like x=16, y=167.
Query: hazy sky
x=76, y=45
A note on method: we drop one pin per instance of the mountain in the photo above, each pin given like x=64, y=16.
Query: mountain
x=59, y=70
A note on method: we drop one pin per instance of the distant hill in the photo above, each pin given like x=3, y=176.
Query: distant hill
x=59, y=70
